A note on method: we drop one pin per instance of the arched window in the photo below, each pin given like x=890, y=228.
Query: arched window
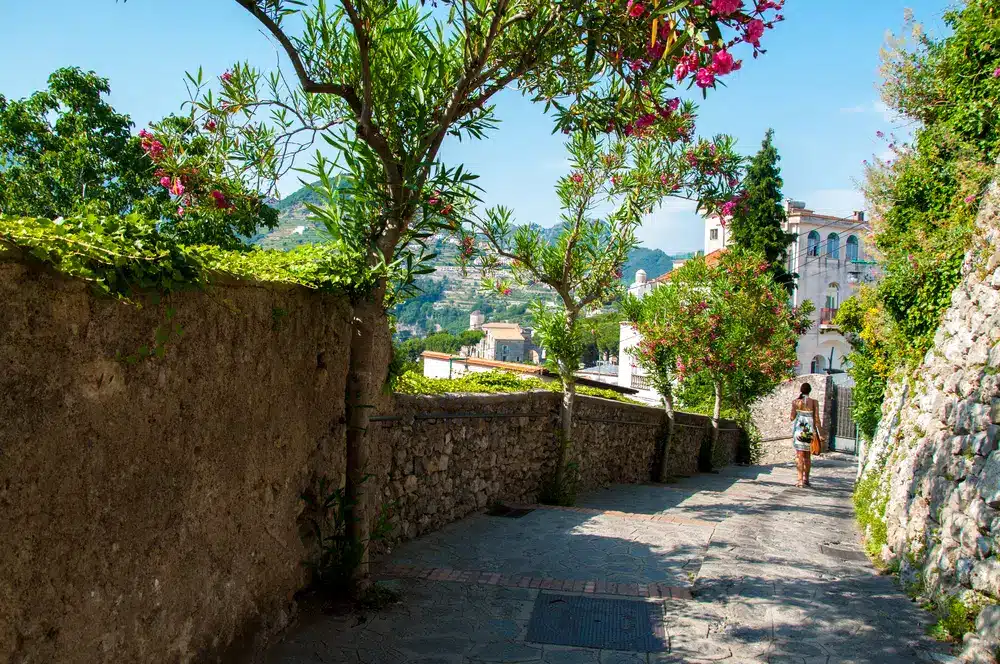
x=818, y=365
x=833, y=296
x=852, y=248
x=833, y=245
x=812, y=244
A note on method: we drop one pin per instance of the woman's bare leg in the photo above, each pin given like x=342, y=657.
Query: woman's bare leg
x=807, y=465
x=800, y=466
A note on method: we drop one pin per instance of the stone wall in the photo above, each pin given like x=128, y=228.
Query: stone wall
x=149, y=511
x=770, y=415
x=934, y=460
x=439, y=458
x=152, y=510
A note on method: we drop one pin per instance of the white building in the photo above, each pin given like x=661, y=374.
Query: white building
x=830, y=259
x=476, y=320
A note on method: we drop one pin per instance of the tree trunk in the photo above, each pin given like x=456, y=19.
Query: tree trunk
x=365, y=376
x=566, y=432
x=716, y=416
x=668, y=404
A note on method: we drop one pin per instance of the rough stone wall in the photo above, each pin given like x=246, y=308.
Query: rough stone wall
x=149, y=511
x=935, y=455
x=770, y=415
x=436, y=459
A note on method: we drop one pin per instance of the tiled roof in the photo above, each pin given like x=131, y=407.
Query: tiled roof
x=479, y=362
x=710, y=260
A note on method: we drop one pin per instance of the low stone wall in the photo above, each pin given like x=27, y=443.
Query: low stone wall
x=149, y=511
x=934, y=463
x=770, y=415
x=152, y=510
x=436, y=459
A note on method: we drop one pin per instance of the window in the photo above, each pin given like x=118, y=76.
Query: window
x=852, y=248
x=713, y=234
x=818, y=364
x=812, y=246
x=833, y=245
x=833, y=296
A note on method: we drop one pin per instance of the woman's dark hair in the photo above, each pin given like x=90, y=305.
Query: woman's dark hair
x=805, y=390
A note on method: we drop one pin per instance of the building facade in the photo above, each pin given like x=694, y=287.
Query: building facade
x=506, y=342
x=830, y=258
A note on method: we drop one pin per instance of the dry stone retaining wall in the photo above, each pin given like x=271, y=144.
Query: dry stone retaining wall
x=770, y=415
x=152, y=512
x=934, y=458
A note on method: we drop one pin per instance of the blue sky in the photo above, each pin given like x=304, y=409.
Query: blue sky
x=816, y=87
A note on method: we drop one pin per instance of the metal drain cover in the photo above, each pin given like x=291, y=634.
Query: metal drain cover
x=592, y=622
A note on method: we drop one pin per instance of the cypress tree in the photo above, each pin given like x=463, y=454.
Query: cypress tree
x=757, y=224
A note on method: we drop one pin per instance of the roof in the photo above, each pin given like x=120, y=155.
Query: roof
x=711, y=260
x=479, y=362
x=506, y=334
x=499, y=326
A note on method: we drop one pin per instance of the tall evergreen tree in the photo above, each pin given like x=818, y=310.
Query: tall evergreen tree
x=757, y=223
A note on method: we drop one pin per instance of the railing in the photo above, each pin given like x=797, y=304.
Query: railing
x=640, y=382
x=826, y=316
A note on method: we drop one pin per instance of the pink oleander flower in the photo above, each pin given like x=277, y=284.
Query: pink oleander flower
x=655, y=51
x=704, y=78
x=682, y=71
x=726, y=7
x=144, y=134
x=970, y=199
x=674, y=103
x=165, y=182
x=435, y=198
x=754, y=31
x=577, y=178
x=505, y=291
x=723, y=63
x=663, y=179
x=880, y=134
x=996, y=73
x=635, y=9
x=210, y=125
x=446, y=210
x=220, y=199
x=180, y=211
x=227, y=76
x=178, y=187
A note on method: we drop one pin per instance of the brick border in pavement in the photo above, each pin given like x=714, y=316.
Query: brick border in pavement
x=654, y=590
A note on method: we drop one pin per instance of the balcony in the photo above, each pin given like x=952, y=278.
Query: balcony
x=640, y=382
x=826, y=316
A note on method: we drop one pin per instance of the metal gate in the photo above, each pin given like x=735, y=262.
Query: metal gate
x=843, y=430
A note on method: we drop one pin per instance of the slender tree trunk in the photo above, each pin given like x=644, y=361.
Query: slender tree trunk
x=668, y=404
x=716, y=416
x=566, y=431
x=365, y=376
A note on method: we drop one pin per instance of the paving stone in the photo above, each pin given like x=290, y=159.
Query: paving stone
x=763, y=589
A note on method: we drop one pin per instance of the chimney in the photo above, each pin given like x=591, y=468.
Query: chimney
x=859, y=215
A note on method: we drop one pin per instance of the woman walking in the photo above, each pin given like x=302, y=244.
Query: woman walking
x=805, y=432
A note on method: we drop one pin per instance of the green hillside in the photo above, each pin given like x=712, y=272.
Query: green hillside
x=447, y=296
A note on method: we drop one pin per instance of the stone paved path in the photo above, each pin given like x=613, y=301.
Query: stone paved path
x=767, y=565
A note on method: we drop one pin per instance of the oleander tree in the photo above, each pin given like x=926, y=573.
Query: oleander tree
x=728, y=325
x=613, y=184
x=385, y=83
x=67, y=151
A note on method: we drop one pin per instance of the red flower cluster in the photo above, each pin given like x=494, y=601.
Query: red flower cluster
x=151, y=146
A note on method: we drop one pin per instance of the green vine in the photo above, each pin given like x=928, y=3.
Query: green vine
x=125, y=256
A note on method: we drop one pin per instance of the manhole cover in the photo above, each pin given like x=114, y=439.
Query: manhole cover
x=509, y=512
x=843, y=554
x=590, y=622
